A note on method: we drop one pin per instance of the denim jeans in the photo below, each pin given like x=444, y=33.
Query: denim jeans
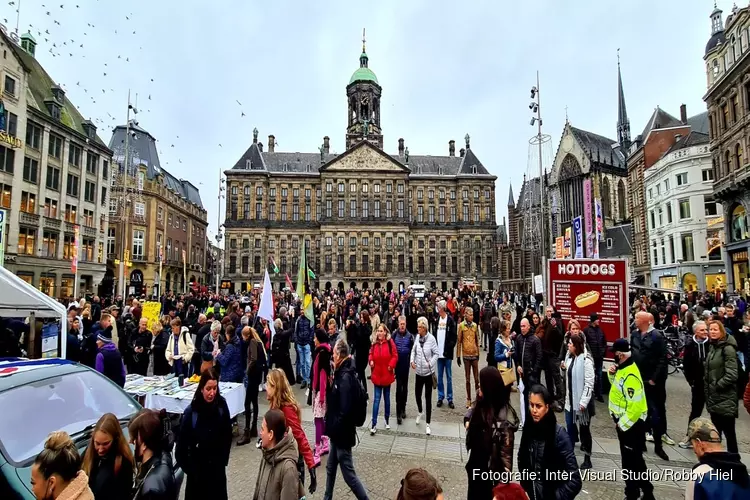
x=303, y=355
x=386, y=393
x=342, y=457
x=445, y=365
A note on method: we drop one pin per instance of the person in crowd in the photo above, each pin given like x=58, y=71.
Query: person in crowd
x=333, y=332
x=579, y=408
x=108, y=461
x=304, y=335
x=546, y=449
x=597, y=346
x=362, y=344
x=211, y=343
x=280, y=356
x=649, y=352
x=161, y=332
x=490, y=424
x=494, y=329
x=383, y=359
x=694, y=369
x=721, y=372
x=56, y=472
x=322, y=375
x=467, y=350
x=404, y=341
x=204, y=441
x=202, y=329
x=109, y=360
x=256, y=360
x=229, y=359
x=140, y=347
x=550, y=333
x=509, y=491
x=73, y=347
x=418, y=484
x=503, y=351
x=722, y=475
x=280, y=397
x=277, y=476
x=528, y=359
x=340, y=426
x=154, y=478
x=629, y=410
x=424, y=356
x=447, y=338
x=180, y=348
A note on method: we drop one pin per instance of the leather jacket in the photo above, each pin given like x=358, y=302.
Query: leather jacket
x=156, y=479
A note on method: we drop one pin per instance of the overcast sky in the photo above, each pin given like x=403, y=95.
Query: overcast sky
x=446, y=68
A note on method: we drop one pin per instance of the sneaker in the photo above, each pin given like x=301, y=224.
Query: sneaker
x=451, y=405
x=373, y=430
x=387, y=426
x=439, y=403
x=419, y=418
x=667, y=440
x=649, y=437
x=261, y=388
x=259, y=443
x=685, y=445
x=304, y=385
x=427, y=429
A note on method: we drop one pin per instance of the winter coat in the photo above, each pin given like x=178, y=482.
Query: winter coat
x=278, y=478
x=528, y=355
x=207, y=346
x=712, y=485
x=304, y=332
x=105, y=483
x=746, y=397
x=546, y=447
x=582, y=382
x=109, y=363
x=468, y=340
x=721, y=377
x=295, y=429
x=256, y=357
x=159, y=350
x=596, y=341
x=362, y=346
x=650, y=355
x=73, y=348
x=451, y=336
x=77, y=489
x=339, y=424
x=322, y=371
x=479, y=443
x=230, y=361
x=203, y=331
x=403, y=343
x=202, y=450
x=694, y=361
x=552, y=338
x=185, y=349
x=502, y=353
x=383, y=358
x=425, y=355
x=159, y=481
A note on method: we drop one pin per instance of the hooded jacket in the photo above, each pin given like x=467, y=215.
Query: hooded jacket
x=339, y=424
x=711, y=486
x=384, y=358
x=109, y=363
x=278, y=478
x=721, y=377
x=694, y=360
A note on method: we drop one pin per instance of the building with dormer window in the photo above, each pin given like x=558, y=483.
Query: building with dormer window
x=368, y=218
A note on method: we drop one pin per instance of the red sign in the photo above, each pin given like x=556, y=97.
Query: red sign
x=581, y=287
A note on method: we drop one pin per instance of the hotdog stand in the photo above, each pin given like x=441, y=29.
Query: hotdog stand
x=581, y=287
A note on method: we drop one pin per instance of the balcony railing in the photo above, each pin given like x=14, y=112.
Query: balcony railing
x=52, y=222
x=69, y=227
x=89, y=231
x=28, y=218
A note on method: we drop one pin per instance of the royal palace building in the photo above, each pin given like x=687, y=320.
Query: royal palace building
x=368, y=218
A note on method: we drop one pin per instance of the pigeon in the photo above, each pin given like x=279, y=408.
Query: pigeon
x=243, y=113
x=238, y=102
x=149, y=97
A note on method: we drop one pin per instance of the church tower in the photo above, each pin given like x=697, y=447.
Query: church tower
x=363, y=97
x=623, y=123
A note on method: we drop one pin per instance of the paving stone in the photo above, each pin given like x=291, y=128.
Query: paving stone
x=411, y=446
x=443, y=450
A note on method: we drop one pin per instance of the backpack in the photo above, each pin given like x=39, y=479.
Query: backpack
x=359, y=403
x=502, y=437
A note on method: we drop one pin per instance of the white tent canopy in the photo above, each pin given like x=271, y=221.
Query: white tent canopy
x=19, y=299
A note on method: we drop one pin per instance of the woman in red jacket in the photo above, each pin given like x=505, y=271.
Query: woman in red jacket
x=280, y=397
x=383, y=359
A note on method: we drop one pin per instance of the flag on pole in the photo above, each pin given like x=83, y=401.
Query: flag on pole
x=310, y=273
x=273, y=265
x=265, y=310
x=303, y=286
x=289, y=282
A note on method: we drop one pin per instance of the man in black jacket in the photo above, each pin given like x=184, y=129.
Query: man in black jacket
x=446, y=336
x=693, y=365
x=340, y=426
x=597, y=347
x=552, y=350
x=528, y=358
x=650, y=355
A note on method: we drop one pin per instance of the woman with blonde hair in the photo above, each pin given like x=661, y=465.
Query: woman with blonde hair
x=722, y=370
x=108, y=460
x=160, y=331
x=256, y=363
x=280, y=397
x=383, y=358
x=57, y=473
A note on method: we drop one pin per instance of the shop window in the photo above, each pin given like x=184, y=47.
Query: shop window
x=739, y=223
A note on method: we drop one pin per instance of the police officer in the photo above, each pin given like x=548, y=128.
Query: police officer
x=627, y=405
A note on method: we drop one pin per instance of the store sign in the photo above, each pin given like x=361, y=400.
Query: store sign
x=11, y=141
x=136, y=276
x=582, y=287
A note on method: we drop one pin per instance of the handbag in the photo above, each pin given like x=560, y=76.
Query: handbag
x=508, y=374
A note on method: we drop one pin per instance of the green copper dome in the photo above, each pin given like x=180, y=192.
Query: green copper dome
x=363, y=73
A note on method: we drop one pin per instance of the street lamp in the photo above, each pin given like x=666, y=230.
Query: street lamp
x=124, y=254
x=536, y=110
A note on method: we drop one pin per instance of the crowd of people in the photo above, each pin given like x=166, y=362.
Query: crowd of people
x=514, y=336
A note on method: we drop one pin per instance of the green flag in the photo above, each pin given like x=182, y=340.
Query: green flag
x=310, y=273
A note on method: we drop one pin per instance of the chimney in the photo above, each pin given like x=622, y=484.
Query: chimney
x=462, y=151
x=401, y=147
x=451, y=148
x=271, y=143
x=683, y=114
x=326, y=144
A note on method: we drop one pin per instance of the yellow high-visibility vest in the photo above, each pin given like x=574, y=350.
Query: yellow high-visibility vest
x=627, y=397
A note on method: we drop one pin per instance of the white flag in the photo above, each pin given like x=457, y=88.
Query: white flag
x=265, y=311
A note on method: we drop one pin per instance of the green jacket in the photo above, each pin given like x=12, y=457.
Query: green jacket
x=721, y=377
x=627, y=398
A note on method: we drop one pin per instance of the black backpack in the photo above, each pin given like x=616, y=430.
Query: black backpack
x=502, y=436
x=359, y=402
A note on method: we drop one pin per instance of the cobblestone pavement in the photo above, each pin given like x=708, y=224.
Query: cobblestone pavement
x=383, y=459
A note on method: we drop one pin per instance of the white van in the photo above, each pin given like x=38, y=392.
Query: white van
x=417, y=290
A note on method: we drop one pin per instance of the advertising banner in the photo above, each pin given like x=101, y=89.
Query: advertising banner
x=559, y=247
x=580, y=288
x=566, y=244
x=578, y=235
x=587, y=225
x=599, y=219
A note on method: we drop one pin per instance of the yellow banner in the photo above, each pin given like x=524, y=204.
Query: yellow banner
x=151, y=311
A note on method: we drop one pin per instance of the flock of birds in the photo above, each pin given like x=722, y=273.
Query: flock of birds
x=72, y=48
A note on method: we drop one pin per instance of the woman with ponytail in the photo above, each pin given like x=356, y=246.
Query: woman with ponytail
x=57, y=473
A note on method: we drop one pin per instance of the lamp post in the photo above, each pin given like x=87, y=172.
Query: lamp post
x=536, y=109
x=126, y=202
